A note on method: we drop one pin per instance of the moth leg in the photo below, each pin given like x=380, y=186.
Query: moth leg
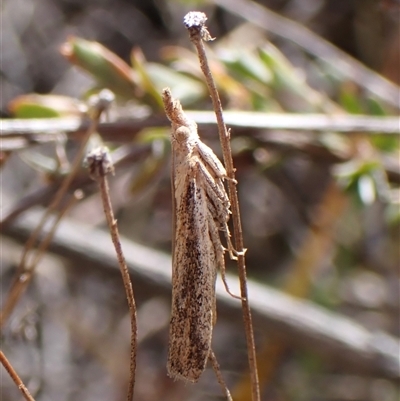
x=218, y=204
x=217, y=208
x=231, y=250
x=219, y=253
x=218, y=212
x=215, y=257
x=230, y=179
x=221, y=216
x=233, y=253
x=210, y=159
x=214, y=183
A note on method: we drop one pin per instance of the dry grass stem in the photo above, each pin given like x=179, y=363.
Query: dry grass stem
x=14, y=376
x=351, y=345
x=99, y=164
x=100, y=104
x=220, y=379
x=195, y=23
x=23, y=278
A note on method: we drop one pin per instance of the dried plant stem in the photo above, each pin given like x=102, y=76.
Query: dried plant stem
x=22, y=280
x=24, y=277
x=62, y=190
x=14, y=376
x=112, y=224
x=198, y=32
x=99, y=165
x=217, y=370
x=100, y=104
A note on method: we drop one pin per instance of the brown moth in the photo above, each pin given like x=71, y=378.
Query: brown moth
x=201, y=211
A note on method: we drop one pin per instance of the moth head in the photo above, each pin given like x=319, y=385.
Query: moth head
x=181, y=134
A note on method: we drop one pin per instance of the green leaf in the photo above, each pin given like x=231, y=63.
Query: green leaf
x=386, y=143
x=106, y=67
x=44, y=106
x=246, y=65
x=291, y=87
x=184, y=88
x=35, y=111
x=349, y=99
x=375, y=107
x=145, y=81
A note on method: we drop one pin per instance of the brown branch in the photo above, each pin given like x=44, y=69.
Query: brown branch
x=23, y=134
x=26, y=132
x=20, y=134
x=217, y=370
x=343, y=123
x=24, y=276
x=302, y=323
x=24, y=272
x=14, y=376
x=195, y=23
x=122, y=156
x=99, y=164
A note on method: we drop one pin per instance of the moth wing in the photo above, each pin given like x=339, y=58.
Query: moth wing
x=173, y=164
x=193, y=296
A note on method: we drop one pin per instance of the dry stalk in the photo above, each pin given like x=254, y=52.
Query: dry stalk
x=217, y=370
x=24, y=277
x=24, y=272
x=195, y=23
x=99, y=164
x=14, y=376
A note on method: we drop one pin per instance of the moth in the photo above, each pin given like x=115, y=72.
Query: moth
x=201, y=210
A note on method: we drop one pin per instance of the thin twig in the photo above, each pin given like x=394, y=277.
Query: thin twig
x=23, y=278
x=343, y=123
x=14, y=376
x=195, y=23
x=97, y=111
x=100, y=165
x=304, y=324
x=100, y=103
x=27, y=132
x=217, y=370
x=122, y=157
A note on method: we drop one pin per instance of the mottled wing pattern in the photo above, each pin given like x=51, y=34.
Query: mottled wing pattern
x=201, y=206
x=194, y=270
